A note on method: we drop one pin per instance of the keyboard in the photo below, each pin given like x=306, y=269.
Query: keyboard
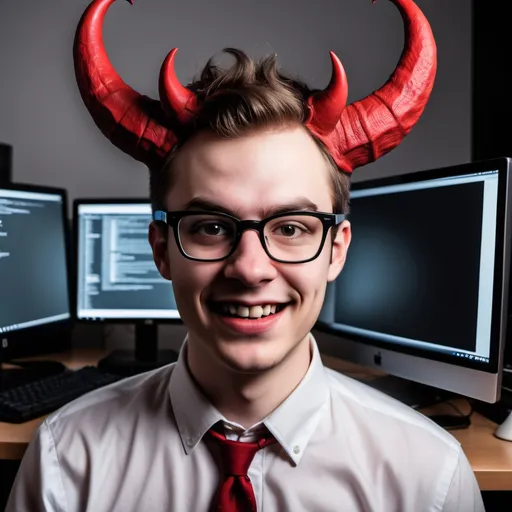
x=43, y=396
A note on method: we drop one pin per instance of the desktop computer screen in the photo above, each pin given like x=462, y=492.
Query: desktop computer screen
x=424, y=291
x=117, y=278
x=34, y=286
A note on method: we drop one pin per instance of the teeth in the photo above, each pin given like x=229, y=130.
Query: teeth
x=250, y=312
x=243, y=311
x=256, y=312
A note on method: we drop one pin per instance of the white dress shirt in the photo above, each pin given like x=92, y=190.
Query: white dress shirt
x=342, y=446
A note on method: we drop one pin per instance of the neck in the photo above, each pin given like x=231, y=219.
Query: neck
x=244, y=398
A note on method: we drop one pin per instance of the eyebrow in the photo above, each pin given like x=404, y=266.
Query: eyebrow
x=297, y=205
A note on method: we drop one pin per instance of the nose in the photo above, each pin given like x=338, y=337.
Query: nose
x=250, y=263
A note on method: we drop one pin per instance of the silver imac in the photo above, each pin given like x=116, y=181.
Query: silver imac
x=424, y=291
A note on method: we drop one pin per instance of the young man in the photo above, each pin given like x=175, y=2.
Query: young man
x=249, y=186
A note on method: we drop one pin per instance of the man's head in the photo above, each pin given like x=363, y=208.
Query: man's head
x=249, y=155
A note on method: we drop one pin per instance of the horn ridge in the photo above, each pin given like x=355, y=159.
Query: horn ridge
x=176, y=99
x=120, y=112
x=325, y=107
x=371, y=127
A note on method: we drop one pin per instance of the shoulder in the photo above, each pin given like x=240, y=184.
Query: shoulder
x=120, y=406
x=370, y=405
x=404, y=452
x=394, y=436
x=95, y=441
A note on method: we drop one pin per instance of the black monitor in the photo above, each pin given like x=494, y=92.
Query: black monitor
x=424, y=291
x=117, y=280
x=35, y=312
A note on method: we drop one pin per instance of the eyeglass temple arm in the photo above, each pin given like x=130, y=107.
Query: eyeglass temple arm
x=338, y=218
x=160, y=215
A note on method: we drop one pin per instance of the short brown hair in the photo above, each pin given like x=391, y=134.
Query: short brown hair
x=247, y=97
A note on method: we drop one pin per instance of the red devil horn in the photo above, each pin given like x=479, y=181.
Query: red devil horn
x=369, y=128
x=176, y=100
x=132, y=122
x=326, y=106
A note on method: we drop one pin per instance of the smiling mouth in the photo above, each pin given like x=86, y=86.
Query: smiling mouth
x=234, y=310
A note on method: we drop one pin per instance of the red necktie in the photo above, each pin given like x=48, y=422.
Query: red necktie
x=235, y=493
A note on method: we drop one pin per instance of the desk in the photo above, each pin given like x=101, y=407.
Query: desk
x=490, y=457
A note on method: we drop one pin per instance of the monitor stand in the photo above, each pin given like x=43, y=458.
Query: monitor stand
x=145, y=357
x=500, y=412
x=411, y=393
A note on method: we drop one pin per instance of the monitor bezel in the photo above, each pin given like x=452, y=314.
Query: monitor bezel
x=501, y=273
x=74, y=298
x=51, y=337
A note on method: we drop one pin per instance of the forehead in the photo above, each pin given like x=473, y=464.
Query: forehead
x=251, y=173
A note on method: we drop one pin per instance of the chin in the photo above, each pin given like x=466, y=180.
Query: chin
x=250, y=357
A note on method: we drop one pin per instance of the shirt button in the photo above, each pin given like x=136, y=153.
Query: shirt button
x=190, y=441
x=296, y=449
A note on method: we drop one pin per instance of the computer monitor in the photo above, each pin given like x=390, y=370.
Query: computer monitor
x=424, y=291
x=117, y=280
x=35, y=312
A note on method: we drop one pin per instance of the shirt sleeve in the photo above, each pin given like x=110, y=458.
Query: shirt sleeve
x=464, y=495
x=38, y=485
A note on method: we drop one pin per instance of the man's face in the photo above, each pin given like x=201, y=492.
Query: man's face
x=249, y=177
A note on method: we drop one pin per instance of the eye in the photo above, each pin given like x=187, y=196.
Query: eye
x=212, y=229
x=291, y=230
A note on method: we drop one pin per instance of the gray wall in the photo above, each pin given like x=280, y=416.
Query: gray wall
x=56, y=143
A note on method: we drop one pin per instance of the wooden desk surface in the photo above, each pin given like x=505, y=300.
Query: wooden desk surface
x=490, y=457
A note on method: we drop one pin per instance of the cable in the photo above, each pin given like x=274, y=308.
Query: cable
x=454, y=421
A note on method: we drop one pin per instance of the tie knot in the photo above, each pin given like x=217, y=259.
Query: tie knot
x=237, y=456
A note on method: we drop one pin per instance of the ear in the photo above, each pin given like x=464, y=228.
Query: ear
x=339, y=250
x=158, y=242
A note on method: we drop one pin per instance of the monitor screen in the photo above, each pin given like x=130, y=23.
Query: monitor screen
x=33, y=258
x=116, y=275
x=426, y=275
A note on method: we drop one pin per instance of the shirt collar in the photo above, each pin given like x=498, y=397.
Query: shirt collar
x=194, y=413
x=292, y=423
x=295, y=420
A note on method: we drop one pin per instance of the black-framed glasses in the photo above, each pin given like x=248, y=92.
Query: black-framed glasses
x=291, y=237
